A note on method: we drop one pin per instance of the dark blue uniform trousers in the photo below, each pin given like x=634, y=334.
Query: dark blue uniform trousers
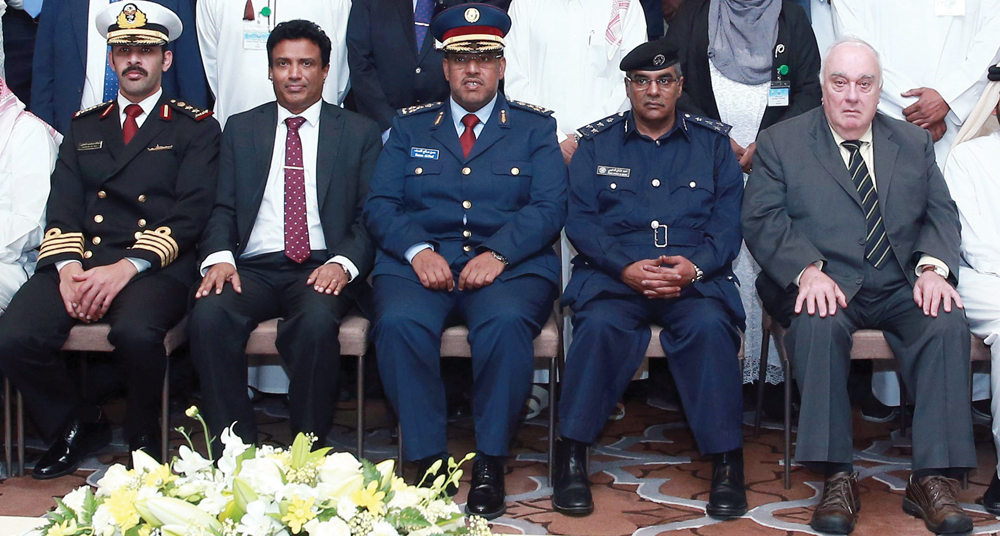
x=503, y=319
x=610, y=337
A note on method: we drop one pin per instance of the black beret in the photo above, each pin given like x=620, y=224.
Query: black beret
x=994, y=74
x=651, y=56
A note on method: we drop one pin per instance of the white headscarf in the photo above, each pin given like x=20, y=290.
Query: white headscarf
x=983, y=109
x=12, y=109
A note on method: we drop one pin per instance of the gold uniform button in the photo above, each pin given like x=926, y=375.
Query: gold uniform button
x=419, y=170
x=98, y=218
x=656, y=183
x=614, y=186
x=141, y=222
x=466, y=248
x=692, y=184
x=466, y=170
x=88, y=254
x=466, y=204
x=102, y=194
x=96, y=240
x=137, y=235
x=142, y=198
x=467, y=233
x=515, y=171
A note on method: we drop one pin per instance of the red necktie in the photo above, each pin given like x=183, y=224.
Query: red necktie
x=468, y=138
x=296, y=226
x=130, y=127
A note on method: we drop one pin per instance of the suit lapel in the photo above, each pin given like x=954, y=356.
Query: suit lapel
x=445, y=133
x=826, y=151
x=330, y=127
x=151, y=127
x=494, y=130
x=79, y=11
x=265, y=126
x=111, y=132
x=885, y=151
x=404, y=10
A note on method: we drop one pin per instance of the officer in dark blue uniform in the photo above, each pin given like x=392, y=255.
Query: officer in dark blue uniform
x=466, y=202
x=654, y=212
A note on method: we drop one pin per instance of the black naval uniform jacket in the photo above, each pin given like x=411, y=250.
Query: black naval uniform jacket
x=149, y=199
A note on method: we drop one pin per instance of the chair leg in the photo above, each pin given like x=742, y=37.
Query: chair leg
x=20, y=435
x=361, y=406
x=399, y=448
x=902, y=407
x=165, y=416
x=7, y=429
x=761, y=378
x=788, y=423
x=553, y=409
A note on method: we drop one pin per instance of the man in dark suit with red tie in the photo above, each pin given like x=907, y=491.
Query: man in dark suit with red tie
x=285, y=239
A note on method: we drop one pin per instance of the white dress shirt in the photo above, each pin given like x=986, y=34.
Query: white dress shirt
x=923, y=43
x=268, y=234
x=558, y=57
x=26, y=163
x=148, y=106
x=457, y=113
x=237, y=69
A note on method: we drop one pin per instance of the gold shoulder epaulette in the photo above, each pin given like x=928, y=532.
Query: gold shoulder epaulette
x=92, y=109
x=419, y=108
x=533, y=107
x=588, y=131
x=195, y=113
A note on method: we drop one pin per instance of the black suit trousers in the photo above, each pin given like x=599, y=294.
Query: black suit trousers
x=933, y=356
x=36, y=325
x=273, y=286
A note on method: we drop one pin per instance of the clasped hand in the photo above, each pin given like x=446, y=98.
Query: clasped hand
x=661, y=278
x=87, y=294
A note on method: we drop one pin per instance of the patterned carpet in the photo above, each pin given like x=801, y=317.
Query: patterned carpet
x=648, y=477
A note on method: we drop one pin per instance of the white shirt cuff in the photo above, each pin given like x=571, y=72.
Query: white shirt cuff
x=927, y=260
x=216, y=258
x=817, y=264
x=416, y=248
x=141, y=265
x=349, y=267
x=60, y=264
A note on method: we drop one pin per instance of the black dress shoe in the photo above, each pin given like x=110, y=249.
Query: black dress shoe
x=728, y=497
x=148, y=443
x=425, y=481
x=570, y=484
x=991, y=499
x=72, y=447
x=487, y=498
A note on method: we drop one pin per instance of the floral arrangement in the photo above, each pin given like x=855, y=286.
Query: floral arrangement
x=263, y=491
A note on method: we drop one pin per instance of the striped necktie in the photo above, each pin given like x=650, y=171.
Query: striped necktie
x=877, y=243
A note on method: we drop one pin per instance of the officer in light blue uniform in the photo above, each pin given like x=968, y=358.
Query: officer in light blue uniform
x=654, y=212
x=467, y=200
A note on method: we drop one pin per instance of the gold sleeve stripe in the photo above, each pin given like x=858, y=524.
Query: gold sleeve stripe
x=155, y=249
x=52, y=242
x=57, y=242
x=50, y=252
x=164, y=241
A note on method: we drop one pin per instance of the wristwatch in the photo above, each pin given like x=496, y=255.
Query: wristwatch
x=500, y=257
x=937, y=270
x=698, y=274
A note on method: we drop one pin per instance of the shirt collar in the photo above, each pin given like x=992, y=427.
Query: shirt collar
x=147, y=104
x=484, y=113
x=679, y=125
x=311, y=114
x=865, y=138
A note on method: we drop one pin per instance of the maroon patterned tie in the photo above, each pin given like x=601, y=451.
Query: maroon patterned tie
x=296, y=226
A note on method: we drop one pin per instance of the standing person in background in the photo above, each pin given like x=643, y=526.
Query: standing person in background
x=233, y=36
x=28, y=149
x=19, y=29
x=750, y=64
x=71, y=70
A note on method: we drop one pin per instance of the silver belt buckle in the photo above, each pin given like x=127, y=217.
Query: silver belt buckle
x=656, y=234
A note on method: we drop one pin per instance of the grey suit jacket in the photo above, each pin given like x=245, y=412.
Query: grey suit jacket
x=800, y=205
x=349, y=145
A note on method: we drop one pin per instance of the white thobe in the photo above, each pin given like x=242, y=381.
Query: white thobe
x=949, y=53
x=558, y=57
x=237, y=67
x=26, y=164
x=973, y=176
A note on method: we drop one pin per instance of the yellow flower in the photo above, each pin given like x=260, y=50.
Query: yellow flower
x=121, y=506
x=145, y=530
x=66, y=528
x=299, y=513
x=369, y=498
x=398, y=484
x=159, y=477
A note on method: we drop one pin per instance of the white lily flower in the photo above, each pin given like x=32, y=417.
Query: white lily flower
x=333, y=527
x=190, y=462
x=143, y=463
x=256, y=522
x=234, y=447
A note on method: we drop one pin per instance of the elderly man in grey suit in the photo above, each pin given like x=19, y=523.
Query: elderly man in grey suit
x=852, y=223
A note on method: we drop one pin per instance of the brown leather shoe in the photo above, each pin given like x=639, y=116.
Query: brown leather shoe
x=838, y=510
x=932, y=498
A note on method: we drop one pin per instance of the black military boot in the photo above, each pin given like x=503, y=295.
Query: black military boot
x=570, y=484
x=728, y=497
